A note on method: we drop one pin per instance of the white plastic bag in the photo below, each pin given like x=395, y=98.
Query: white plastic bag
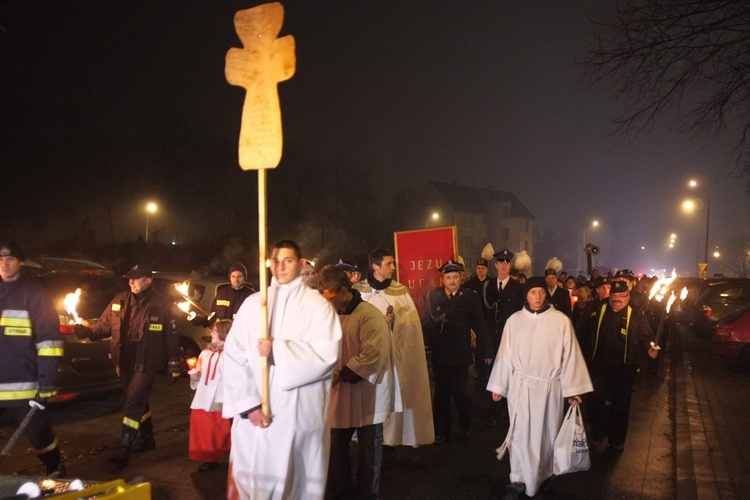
x=571, y=445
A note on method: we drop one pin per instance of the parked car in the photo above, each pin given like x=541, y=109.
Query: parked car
x=717, y=301
x=86, y=368
x=201, y=291
x=731, y=337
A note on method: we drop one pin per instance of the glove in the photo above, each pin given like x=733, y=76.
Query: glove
x=348, y=375
x=44, y=393
x=82, y=331
x=173, y=371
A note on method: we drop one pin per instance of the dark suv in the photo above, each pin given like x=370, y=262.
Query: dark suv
x=717, y=301
x=85, y=368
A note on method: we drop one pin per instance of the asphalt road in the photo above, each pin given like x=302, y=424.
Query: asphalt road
x=647, y=468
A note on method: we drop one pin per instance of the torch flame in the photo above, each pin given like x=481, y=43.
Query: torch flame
x=660, y=287
x=671, y=300
x=684, y=293
x=191, y=362
x=184, y=289
x=70, y=303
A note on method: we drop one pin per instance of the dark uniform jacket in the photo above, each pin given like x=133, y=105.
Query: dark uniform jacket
x=147, y=319
x=500, y=305
x=448, y=324
x=30, y=341
x=228, y=301
x=610, y=337
x=561, y=300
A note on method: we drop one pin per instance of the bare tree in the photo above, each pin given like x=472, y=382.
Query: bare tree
x=736, y=256
x=691, y=57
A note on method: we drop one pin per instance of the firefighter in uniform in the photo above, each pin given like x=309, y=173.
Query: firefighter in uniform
x=228, y=298
x=30, y=349
x=502, y=296
x=613, y=340
x=143, y=335
x=453, y=311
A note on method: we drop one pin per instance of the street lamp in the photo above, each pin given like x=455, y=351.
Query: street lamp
x=151, y=208
x=435, y=217
x=694, y=184
x=586, y=248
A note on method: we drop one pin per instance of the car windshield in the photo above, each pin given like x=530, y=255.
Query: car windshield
x=97, y=290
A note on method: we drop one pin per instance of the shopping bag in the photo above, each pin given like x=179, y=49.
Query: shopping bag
x=571, y=445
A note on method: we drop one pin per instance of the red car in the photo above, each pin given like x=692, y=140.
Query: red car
x=731, y=337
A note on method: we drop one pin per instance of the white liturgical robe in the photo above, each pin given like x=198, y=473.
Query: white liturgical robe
x=289, y=458
x=538, y=364
x=413, y=426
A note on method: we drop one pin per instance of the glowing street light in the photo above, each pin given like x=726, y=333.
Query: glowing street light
x=151, y=208
x=435, y=218
x=694, y=185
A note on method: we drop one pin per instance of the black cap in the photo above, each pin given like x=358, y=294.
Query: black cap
x=237, y=266
x=139, y=271
x=451, y=267
x=533, y=282
x=503, y=255
x=601, y=280
x=344, y=266
x=11, y=249
x=482, y=262
x=625, y=273
x=549, y=271
x=618, y=287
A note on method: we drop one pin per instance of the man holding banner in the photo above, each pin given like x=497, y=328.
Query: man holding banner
x=285, y=454
x=413, y=427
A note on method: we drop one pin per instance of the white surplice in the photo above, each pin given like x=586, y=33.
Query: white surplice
x=414, y=426
x=289, y=458
x=538, y=364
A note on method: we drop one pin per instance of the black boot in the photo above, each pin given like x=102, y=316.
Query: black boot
x=146, y=442
x=52, y=464
x=119, y=459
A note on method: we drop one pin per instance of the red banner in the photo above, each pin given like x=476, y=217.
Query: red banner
x=419, y=255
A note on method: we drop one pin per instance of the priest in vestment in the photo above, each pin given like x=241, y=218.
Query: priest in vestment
x=413, y=426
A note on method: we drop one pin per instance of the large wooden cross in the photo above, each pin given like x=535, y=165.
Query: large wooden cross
x=264, y=61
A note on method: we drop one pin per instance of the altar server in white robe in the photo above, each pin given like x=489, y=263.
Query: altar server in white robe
x=538, y=364
x=285, y=455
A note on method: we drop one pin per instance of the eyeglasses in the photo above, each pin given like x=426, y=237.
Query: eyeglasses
x=308, y=273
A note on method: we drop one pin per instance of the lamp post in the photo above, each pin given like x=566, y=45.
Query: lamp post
x=594, y=225
x=151, y=208
x=703, y=268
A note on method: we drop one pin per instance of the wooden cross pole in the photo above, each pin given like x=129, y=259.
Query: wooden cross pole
x=263, y=61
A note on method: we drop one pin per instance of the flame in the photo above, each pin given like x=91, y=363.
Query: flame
x=191, y=362
x=659, y=289
x=70, y=303
x=184, y=307
x=671, y=300
x=182, y=288
x=684, y=293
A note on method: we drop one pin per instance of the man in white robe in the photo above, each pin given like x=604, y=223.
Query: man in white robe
x=284, y=455
x=414, y=426
x=538, y=364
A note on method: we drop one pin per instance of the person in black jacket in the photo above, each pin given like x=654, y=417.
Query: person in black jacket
x=613, y=341
x=556, y=295
x=228, y=298
x=452, y=313
x=30, y=349
x=142, y=330
x=502, y=296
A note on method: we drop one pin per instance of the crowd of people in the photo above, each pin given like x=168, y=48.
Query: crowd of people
x=347, y=358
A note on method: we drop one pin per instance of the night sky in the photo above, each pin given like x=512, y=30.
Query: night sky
x=104, y=104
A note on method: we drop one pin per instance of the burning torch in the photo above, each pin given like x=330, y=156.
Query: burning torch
x=182, y=289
